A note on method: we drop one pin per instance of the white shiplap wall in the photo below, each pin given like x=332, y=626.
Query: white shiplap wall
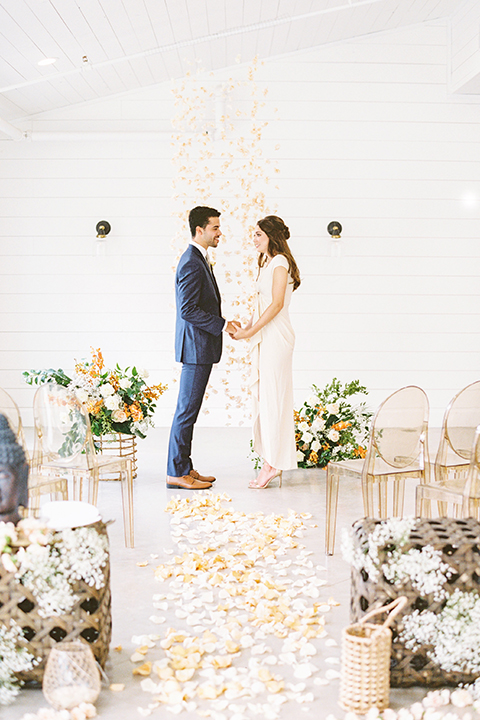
x=369, y=135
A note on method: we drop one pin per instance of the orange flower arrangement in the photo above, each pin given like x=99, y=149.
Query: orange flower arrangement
x=118, y=401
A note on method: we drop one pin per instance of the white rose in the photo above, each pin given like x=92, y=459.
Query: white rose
x=119, y=416
x=318, y=424
x=316, y=446
x=307, y=437
x=333, y=408
x=303, y=426
x=313, y=400
x=81, y=395
x=299, y=456
x=333, y=435
x=106, y=390
x=124, y=383
x=111, y=403
x=143, y=373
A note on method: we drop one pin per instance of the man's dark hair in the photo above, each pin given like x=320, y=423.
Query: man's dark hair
x=199, y=217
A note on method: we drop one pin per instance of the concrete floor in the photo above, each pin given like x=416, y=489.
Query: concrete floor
x=223, y=452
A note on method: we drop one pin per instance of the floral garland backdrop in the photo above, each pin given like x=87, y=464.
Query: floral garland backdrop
x=219, y=161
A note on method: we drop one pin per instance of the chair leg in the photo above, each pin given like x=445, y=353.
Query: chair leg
x=442, y=508
x=331, y=512
x=127, y=502
x=382, y=498
x=367, y=494
x=398, y=495
x=420, y=503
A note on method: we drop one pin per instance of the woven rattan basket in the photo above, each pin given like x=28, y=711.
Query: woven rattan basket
x=365, y=679
x=458, y=540
x=90, y=618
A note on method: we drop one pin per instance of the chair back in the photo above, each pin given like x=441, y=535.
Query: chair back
x=399, y=428
x=62, y=425
x=472, y=484
x=461, y=420
x=9, y=408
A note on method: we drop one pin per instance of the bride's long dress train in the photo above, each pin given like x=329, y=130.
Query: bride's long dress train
x=271, y=381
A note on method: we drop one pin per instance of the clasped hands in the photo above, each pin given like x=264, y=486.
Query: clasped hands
x=235, y=330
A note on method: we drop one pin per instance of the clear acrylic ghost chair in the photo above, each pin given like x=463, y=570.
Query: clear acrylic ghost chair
x=461, y=492
x=397, y=448
x=9, y=408
x=37, y=485
x=460, y=422
x=64, y=444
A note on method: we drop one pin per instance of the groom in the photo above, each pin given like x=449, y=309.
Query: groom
x=198, y=343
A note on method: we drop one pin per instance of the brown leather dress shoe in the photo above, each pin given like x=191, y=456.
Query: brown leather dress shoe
x=186, y=482
x=202, y=478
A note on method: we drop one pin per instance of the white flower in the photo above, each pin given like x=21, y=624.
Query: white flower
x=143, y=373
x=124, y=383
x=303, y=426
x=140, y=426
x=119, y=416
x=81, y=395
x=8, y=563
x=107, y=390
x=461, y=697
x=333, y=435
x=316, y=446
x=307, y=437
x=112, y=402
x=313, y=400
x=417, y=711
x=333, y=408
x=299, y=456
x=318, y=424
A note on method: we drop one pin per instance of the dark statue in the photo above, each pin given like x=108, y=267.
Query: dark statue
x=13, y=474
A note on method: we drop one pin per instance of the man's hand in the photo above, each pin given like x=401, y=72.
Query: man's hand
x=231, y=327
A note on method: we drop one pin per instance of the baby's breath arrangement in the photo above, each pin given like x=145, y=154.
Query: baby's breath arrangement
x=49, y=563
x=118, y=401
x=451, y=636
x=14, y=658
x=384, y=554
x=328, y=427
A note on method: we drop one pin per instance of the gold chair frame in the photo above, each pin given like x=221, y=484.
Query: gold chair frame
x=37, y=484
x=397, y=448
x=56, y=411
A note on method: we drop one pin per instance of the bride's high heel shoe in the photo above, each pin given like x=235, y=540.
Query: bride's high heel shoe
x=278, y=473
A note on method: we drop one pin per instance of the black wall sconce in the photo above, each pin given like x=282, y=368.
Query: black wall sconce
x=335, y=229
x=103, y=228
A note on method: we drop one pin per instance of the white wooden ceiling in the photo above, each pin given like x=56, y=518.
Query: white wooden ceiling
x=110, y=46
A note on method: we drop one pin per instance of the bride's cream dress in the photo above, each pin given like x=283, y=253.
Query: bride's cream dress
x=271, y=383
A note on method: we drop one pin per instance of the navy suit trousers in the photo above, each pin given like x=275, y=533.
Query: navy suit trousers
x=193, y=383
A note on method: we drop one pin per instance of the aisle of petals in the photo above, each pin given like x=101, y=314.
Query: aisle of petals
x=251, y=617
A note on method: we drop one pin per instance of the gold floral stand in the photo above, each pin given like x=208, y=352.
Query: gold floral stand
x=120, y=445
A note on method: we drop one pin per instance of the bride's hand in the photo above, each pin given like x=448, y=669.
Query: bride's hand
x=242, y=334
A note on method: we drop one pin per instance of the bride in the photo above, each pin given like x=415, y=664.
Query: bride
x=272, y=342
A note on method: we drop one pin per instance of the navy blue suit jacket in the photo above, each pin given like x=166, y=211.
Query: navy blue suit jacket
x=199, y=325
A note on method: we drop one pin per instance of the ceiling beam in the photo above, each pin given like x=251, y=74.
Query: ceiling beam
x=194, y=41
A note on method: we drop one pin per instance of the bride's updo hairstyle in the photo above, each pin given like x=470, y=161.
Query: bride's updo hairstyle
x=278, y=234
